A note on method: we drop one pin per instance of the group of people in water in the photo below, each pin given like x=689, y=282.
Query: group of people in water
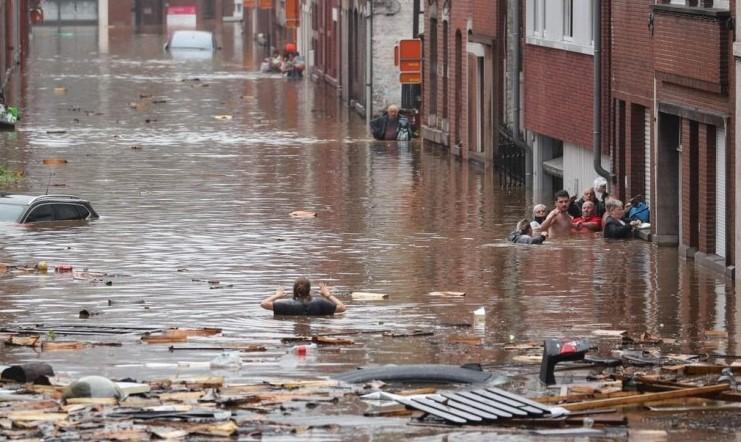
x=290, y=62
x=595, y=211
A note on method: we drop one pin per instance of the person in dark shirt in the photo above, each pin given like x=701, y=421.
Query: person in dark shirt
x=523, y=234
x=303, y=304
x=615, y=227
x=391, y=126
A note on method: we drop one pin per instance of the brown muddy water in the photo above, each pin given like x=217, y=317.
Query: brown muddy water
x=185, y=197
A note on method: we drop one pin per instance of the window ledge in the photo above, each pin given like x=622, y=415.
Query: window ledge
x=692, y=10
x=563, y=45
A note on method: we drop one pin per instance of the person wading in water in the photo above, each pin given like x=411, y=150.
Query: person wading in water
x=303, y=304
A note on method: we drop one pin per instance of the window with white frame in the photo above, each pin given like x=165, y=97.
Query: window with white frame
x=561, y=24
x=537, y=17
x=568, y=19
x=717, y=4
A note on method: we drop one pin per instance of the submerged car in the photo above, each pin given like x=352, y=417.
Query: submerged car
x=191, y=44
x=27, y=209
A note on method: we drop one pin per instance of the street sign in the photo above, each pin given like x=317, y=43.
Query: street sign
x=410, y=65
x=408, y=56
x=410, y=49
x=410, y=78
x=181, y=17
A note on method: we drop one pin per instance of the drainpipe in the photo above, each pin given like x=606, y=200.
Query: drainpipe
x=597, y=124
x=369, y=65
x=516, y=70
x=516, y=103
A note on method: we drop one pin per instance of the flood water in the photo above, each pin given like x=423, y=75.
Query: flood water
x=187, y=195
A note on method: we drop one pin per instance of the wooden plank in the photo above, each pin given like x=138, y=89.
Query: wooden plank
x=703, y=369
x=36, y=416
x=648, y=397
x=367, y=296
x=478, y=405
x=92, y=401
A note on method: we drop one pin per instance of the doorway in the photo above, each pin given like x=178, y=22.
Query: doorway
x=668, y=188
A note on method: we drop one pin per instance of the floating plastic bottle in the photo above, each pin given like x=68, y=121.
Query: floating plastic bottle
x=303, y=350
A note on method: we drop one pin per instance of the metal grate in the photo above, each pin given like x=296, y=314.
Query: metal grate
x=509, y=160
x=476, y=406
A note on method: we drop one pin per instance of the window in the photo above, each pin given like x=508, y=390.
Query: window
x=563, y=24
x=433, y=66
x=208, y=9
x=67, y=212
x=41, y=213
x=536, y=17
x=568, y=19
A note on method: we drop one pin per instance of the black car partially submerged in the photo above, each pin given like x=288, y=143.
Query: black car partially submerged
x=25, y=209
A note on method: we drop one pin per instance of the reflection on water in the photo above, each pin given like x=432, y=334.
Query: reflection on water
x=187, y=195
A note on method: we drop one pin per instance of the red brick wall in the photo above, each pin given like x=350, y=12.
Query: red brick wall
x=558, y=93
x=632, y=51
x=689, y=50
x=486, y=20
x=120, y=13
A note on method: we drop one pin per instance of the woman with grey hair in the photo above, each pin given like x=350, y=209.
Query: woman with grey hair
x=540, y=211
x=615, y=226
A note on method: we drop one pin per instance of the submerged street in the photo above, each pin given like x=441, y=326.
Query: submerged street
x=194, y=167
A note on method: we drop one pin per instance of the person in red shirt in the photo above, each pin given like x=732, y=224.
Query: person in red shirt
x=589, y=221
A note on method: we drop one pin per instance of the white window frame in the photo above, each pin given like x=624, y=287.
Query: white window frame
x=568, y=20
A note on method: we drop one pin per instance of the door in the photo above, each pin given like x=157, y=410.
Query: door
x=668, y=188
x=720, y=192
x=149, y=12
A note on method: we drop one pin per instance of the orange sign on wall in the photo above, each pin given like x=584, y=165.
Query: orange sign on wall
x=266, y=4
x=410, y=49
x=408, y=56
x=410, y=78
x=249, y=3
x=292, y=11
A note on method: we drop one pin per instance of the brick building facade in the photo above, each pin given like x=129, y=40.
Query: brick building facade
x=667, y=103
x=14, y=42
x=674, y=121
x=151, y=15
x=464, y=47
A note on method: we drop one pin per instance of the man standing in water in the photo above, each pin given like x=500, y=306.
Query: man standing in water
x=558, y=222
x=391, y=126
x=302, y=303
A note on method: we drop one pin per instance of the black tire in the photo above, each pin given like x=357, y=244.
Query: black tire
x=417, y=373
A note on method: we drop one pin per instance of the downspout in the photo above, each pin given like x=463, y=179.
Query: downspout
x=597, y=123
x=516, y=104
x=369, y=65
x=516, y=71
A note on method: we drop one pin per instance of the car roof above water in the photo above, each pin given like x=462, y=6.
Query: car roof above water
x=10, y=198
x=192, y=40
x=23, y=200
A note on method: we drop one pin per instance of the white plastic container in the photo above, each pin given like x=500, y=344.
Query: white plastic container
x=479, y=317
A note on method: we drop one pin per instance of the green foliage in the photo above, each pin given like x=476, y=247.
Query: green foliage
x=8, y=176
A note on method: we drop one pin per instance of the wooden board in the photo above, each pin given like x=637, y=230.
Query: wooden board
x=648, y=397
x=367, y=296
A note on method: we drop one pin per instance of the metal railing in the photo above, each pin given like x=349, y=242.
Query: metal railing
x=509, y=160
